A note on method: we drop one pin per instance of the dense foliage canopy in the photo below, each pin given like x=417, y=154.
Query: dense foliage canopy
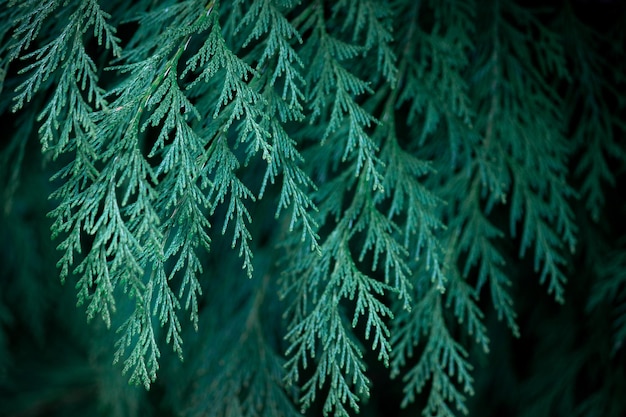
x=281, y=208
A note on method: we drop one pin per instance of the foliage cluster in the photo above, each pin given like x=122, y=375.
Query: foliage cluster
x=280, y=207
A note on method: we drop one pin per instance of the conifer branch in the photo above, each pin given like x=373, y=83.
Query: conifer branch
x=330, y=82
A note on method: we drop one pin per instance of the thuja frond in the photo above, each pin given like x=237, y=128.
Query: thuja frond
x=332, y=91
x=432, y=82
x=183, y=202
x=225, y=163
x=267, y=20
x=137, y=335
x=462, y=300
x=277, y=51
x=426, y=321
x=319, y=324
x=321, y=327
x=76, y=64
x=443, y=361
x=237, y=99
x=412, y=202
x=533, y=150
x=443, y=111
x=128, y=238
x=478, y=239
x=28, y=18
x=372, y=21
x=68, y=125
x=596, y=130
x=294, y=183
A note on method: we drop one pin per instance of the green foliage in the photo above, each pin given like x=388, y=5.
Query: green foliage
x=340, y=196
